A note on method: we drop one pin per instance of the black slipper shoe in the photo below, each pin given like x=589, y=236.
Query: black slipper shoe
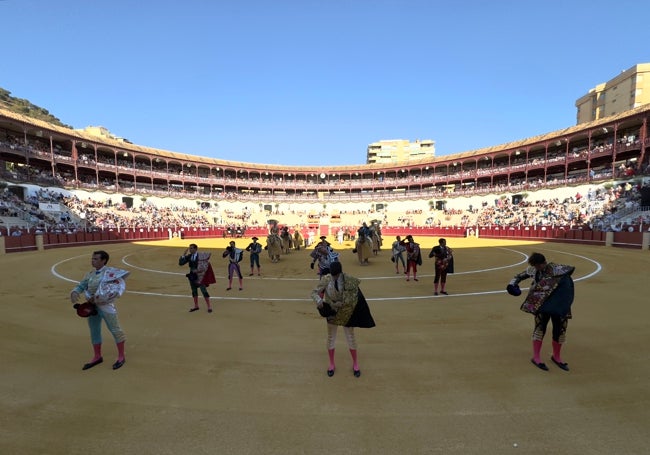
x=193, y=309
x=119, y=364
x=330, y=373
x=357, y=373
x=92, y=364
x=562, y=366
x=541, y=365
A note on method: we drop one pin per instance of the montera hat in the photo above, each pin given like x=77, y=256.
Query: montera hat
x=254, y=238
x=85, y=309
x=513, y=289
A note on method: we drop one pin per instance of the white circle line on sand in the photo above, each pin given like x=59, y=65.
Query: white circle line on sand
x=468, y=272
x=58, y=275
x=379, y=299
x=596, y=263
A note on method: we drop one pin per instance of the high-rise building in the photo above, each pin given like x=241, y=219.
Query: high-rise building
x=626, y=91
x=398, y=150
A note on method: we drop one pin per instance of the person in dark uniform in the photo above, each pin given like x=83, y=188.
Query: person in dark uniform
x=255, y=249
x=444, y=264
x=200, y=276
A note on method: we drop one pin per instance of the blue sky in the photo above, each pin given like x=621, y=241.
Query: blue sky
x=307, y=82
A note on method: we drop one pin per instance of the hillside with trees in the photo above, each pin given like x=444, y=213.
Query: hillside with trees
x=24, y=107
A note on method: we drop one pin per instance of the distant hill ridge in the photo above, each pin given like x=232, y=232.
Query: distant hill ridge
x=24, y=107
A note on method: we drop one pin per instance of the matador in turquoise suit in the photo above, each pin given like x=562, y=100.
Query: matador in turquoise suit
x=102, y=287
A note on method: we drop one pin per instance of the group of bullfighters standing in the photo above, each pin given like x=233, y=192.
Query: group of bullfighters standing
x=444, y=260
x=338, y=297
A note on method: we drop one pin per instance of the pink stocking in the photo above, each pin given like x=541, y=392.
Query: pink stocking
x=97, y=349
x=120, y=351
x=355, y=364
x=330, y=352
x=537, y=348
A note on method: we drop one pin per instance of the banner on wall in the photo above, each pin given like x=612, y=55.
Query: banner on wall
x=49, y=206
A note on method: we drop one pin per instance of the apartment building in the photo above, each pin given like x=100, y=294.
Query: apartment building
x=399, y=150
x=630, y=89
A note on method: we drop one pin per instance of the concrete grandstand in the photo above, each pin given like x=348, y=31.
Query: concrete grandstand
x=588, y=177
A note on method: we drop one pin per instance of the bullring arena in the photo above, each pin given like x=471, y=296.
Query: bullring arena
x=440, y=374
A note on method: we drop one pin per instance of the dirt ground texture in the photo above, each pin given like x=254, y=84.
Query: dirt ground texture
x=440, y=375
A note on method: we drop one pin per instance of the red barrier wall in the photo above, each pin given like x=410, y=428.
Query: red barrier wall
x=627, y=239
x=27, y=242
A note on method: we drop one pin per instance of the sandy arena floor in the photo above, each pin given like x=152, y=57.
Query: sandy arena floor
x=440, y=375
